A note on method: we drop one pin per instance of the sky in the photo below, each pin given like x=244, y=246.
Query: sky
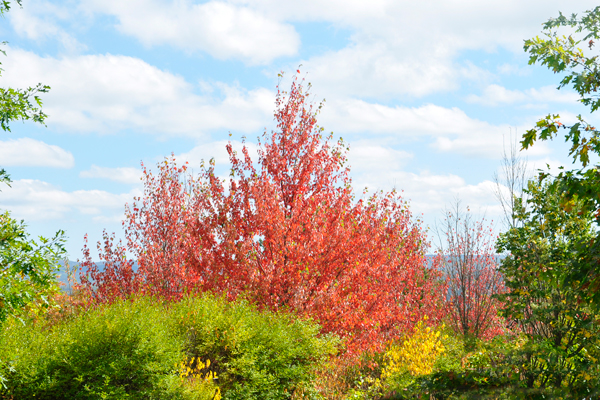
x=427, y=94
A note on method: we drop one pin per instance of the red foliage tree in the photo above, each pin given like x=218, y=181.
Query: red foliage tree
x=288, y=234
x=157, y=231
x=470, y=263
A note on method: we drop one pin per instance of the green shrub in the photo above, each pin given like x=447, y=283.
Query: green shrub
x=27, y=268
x=496, y=369
x=137, y=349
x=255, y=355
x=116, y=352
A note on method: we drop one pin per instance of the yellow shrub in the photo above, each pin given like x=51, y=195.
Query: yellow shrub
x=200, y=383
x=415, y=355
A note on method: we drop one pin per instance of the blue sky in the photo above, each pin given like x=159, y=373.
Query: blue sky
x=424, y=92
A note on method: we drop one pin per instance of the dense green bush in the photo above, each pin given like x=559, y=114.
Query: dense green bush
x=136, y=349
x=121, y=351
x=255, y=355
x=496, y=369
x=27, y=268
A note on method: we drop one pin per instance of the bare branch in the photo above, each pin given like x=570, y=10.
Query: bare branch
x=468, y=260
x=512, y=180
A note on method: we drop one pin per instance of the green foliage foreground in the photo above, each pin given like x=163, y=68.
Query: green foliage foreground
x=27, y=268
x=144, y=349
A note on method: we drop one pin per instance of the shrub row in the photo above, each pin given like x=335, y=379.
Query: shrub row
x=144, y=349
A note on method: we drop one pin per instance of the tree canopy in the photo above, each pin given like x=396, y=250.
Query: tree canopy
x=575, y=56
x=550, y=311
x=27, y=269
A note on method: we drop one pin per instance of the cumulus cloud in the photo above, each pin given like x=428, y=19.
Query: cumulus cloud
x=494, y=95
x=40, y=21
x=428, y=194
x=450, y=129
x=391, y=51
x=222, y=29
x=514, y=69
x=122, y=174
x=35, y=200
x=107, y=93
x=33, y=153
x=369, y=156
x=394, y=53
x=377, y=69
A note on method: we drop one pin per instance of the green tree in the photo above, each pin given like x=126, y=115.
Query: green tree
x=574, y=55
x=19, y=104
x=4, y=177
x=561, y=328
x=27, y=269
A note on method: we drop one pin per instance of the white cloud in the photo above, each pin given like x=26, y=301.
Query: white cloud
x=376, y=69
x=368, y=156
x=218, y=151
x=33, y=153
x=379, y=14
x=347, y=12
x=494, y=95
x=36, y=200
x=514, y=69
x=123, y=174
x=221, y=29
x=356, y=116
x=392, y=52
x=429, y=194
x=39, y=21
x=451, y=129
x=401, y=48
x=108, y=93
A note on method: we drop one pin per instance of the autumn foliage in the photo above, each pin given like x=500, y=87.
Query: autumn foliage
x=416, y=353
x=287, y=232
x=158, y=235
